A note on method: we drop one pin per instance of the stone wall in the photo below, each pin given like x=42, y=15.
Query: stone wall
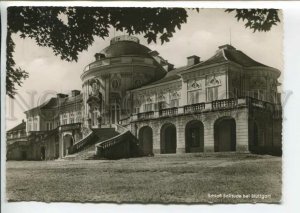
x=240, y=116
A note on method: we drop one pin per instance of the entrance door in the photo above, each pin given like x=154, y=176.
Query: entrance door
x=168, y=139
x=194, y=136
x=225, y=135
x=146, y=140
x=115, y=113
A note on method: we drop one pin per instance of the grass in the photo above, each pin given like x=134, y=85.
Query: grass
x=182, y=178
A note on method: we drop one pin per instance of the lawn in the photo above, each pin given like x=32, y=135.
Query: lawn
x=181, y=178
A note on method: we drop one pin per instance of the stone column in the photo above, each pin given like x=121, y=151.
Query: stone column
x=242, y=137
x=61, y=144
x=208, y=135
x=156, y=137
x=180, y=135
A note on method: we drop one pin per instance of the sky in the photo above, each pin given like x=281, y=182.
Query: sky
x=201, y=35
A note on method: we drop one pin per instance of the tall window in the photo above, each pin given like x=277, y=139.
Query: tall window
x=35, y=124
x=174, y=103
x=194, y=97
x=174, y=99
x=78, y=118
x=212, y=93
x=72, y=118
x=137, y=104
x=65, y=119
x=160, y=105
x=29, y=124
x=194, y=90
x=212, y=88
x=148, y=107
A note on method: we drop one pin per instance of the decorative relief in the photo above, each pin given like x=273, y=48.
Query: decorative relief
x=159, y=89
x=149, y=99
x=213, y=81
x=161, y=97
x=174, y=95
x=203, y=72
x=138, y=83
x=95, y=85
x=193, y=85
x=115, y=83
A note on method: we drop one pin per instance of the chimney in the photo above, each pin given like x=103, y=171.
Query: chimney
x=75, y=93
x=192, y=60
x=99, y=56
x=61, y=95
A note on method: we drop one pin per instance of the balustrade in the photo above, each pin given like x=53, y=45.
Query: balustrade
x=227, y=103
x=194, y=108
x=168, y=112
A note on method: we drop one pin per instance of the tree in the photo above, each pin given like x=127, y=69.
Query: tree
x=70, y=30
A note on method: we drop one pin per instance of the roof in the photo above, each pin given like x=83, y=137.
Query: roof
x=21, y=126
x=52, y=103
x=170, y=76
x=123, y=48
x=229, y=53
x=49, y=104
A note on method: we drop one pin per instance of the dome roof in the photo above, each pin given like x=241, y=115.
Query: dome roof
x=125, y=45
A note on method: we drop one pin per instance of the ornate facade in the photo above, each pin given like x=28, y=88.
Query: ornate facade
x=133, y=102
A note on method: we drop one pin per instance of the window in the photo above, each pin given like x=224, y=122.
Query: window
x=235, y=92
x=212, y=93
x=148, y=107
x=174, y=99
x=174, y=103
x=29, y=127
x=115, y=83
x=160, y=105
x=35, y=124
x=72, y=118
x=78, y=118
x=136, y=110
x=65, y=119
x=95, y=117
x=194, y=97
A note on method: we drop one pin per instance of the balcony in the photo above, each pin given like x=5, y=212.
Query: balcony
x=68, y=127
x=194, y=108
x=168, y=112
x=224, y=104
x=207, y=107
x=145, y=115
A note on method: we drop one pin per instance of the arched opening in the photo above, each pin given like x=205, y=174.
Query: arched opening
x=225, y=135
x=43, y=153
x=194, y=136
x=168, y=138
x=67, y=142
x=23, y=155
x=146, y=140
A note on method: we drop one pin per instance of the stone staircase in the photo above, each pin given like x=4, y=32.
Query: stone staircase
x=105, y=143
x=85, y=148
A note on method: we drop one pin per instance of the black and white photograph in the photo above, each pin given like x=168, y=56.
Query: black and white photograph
x=146, y=105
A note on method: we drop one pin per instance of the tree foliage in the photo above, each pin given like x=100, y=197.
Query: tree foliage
x=257, y=19
x=70, y=30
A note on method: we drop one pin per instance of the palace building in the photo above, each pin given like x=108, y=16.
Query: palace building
x=135, y=103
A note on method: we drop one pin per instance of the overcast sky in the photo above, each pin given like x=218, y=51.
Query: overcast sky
x=201, y=36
